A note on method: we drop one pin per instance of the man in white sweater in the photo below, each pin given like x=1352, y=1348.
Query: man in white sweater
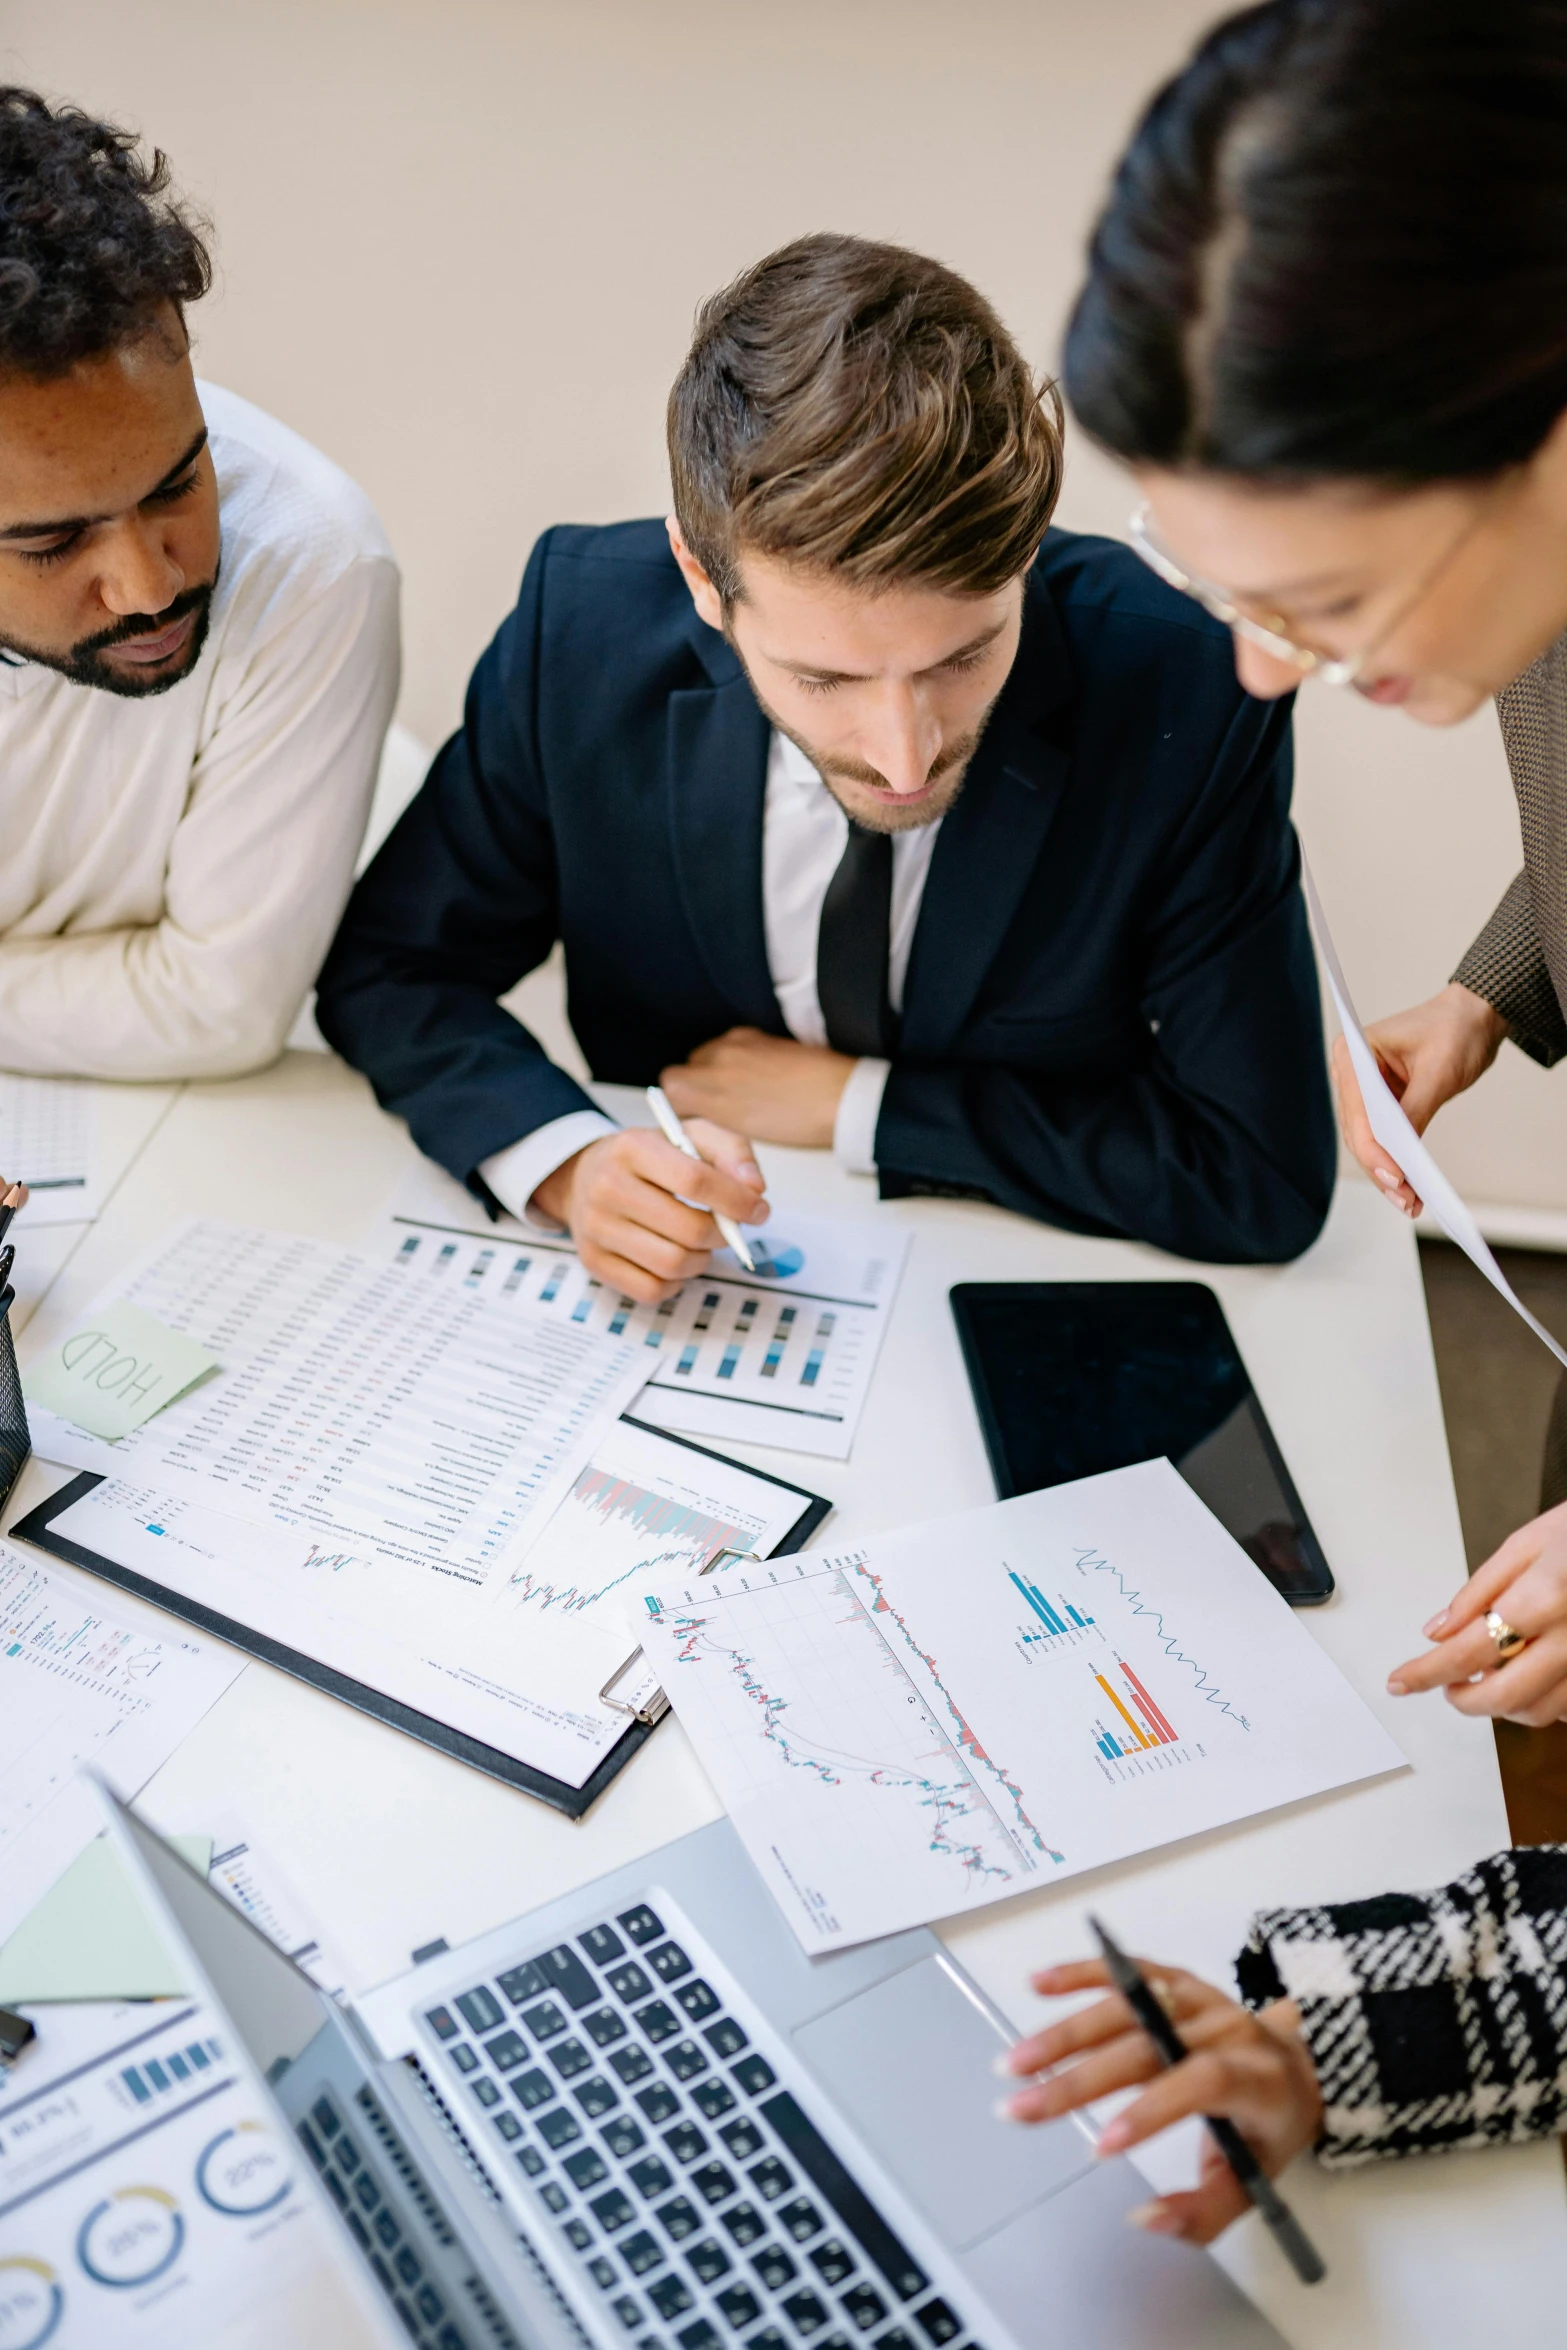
x=198, y=645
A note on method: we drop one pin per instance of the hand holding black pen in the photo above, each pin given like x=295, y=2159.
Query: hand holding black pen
x=1248, y=2076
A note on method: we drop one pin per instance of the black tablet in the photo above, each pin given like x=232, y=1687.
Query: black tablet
x=1073, y=1377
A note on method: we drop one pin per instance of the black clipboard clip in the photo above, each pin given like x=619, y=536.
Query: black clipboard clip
x=658, y=1704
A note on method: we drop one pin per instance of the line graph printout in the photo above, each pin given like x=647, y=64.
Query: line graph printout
x=989, y=1702
x=80, y=1685
x=782, y=1358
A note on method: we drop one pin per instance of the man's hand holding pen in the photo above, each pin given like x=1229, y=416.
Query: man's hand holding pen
x=641, y=1212
x=1253, y=2069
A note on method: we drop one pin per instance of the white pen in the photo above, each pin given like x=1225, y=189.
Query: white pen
x=670, y=1127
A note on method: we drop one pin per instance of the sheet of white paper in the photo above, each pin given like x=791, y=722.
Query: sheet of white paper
x=784, y=1358
x=256, y=1886
x=1398, y=1138
x=417, y=1435
x=519, y=1664
x=994, y=1701
x=80, y=1686
x=146, y=2197
x=49, y=1141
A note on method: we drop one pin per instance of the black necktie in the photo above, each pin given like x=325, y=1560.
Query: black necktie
x=852, y=945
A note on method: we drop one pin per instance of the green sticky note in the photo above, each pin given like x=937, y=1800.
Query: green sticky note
x=90, y=1937
x=116, y=1371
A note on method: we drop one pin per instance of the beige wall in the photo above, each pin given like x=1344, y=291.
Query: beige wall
x=460, y=242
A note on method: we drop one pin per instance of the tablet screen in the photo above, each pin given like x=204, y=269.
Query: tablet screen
x=1074, y=1377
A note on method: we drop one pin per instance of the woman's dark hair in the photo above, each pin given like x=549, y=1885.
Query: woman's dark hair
x=1337, y=247
x=91, y=247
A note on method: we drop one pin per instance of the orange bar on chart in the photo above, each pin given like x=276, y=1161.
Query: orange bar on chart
x=1136, y=1728
x=1148, y=1707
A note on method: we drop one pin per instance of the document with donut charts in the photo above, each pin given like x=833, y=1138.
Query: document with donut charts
x=781, y=1357
x=146, y=2197
x=938, y=1718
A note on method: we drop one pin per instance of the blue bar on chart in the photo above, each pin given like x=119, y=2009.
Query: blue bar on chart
x=818, y=1354
x=1107, y=1745
x=661, y=1320
x=1038, y=1602
x=1082, y=1622
x=624, y=1308
x=480, y=1266
x=585, y=1303
x=693, y=1345
x=744, y=1322
x=513, y=1280
x=445, y=1256
x=777, y=1343
x=149, y=2079
x=551, y=1289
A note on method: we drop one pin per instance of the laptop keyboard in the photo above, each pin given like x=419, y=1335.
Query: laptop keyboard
x=679, y=2170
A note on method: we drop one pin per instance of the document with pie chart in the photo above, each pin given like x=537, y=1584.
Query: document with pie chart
x=988, y=1703
x=783, y=1356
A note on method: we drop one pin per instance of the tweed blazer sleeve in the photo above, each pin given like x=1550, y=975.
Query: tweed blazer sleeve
x=1434, y=2020
x=1519, y=961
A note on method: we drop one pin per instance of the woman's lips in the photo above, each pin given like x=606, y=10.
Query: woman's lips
x=1386, y=690
x=148, y=651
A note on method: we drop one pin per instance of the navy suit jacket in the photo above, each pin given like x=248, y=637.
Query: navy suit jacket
x=1111, y=1017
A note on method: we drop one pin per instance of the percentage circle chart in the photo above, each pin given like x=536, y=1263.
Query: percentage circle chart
x=777, y=1262
x=31, y=2303
x=130, y=2237
x=242, y=2171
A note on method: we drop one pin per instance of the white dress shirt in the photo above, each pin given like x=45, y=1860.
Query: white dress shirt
x=172, y=868
x=804, y=833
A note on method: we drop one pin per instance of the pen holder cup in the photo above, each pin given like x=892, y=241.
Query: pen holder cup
x=15, y=1437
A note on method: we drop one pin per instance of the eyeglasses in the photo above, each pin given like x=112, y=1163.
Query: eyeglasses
x=1272, y=641
x=1328, y=668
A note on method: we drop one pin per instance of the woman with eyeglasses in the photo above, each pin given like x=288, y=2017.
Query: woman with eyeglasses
x=1325, y=324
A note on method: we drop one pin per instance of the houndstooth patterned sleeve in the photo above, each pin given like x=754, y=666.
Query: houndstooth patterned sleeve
x=1506, y=965
x=1434, y=2020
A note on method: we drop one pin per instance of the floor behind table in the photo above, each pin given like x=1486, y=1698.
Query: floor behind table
x=1497, y=1382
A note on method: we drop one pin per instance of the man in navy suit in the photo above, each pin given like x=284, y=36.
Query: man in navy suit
x=868, y=821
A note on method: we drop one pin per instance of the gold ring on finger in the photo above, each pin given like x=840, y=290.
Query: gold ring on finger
x=1504, y=1639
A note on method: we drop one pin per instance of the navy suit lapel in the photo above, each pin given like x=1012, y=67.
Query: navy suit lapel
x=717, y=786
x=990, y=843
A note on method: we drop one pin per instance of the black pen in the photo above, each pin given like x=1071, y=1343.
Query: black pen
x=1140, y=1997
x=7, y=1260
x=9, y=1206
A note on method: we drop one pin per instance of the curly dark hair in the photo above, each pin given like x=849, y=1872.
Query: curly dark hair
x=91, y=245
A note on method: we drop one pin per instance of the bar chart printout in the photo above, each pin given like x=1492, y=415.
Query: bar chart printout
x=927, y=1723
x=783, y=1357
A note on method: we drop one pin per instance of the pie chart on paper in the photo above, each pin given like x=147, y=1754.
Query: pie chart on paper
x=776, y=1261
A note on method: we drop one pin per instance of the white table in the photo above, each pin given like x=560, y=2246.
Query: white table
x=392, y=1845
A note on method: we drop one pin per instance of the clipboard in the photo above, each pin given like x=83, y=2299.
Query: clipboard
x=38, y=1529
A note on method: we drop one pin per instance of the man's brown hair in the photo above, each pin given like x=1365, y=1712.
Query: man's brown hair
x=860, y=409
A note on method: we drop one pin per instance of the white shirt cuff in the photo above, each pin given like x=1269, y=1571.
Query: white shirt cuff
x=859, y=1107
x=514, y=1175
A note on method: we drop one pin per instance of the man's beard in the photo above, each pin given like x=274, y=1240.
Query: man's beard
x=84, y=663
x=951, y=762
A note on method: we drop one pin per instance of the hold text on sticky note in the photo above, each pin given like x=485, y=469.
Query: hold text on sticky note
x=116, y=1371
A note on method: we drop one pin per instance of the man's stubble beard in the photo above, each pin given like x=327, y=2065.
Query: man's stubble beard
x=880, y=815
x=84, y=663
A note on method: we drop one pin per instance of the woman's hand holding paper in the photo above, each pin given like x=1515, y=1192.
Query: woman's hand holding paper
x=1427, y=1055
